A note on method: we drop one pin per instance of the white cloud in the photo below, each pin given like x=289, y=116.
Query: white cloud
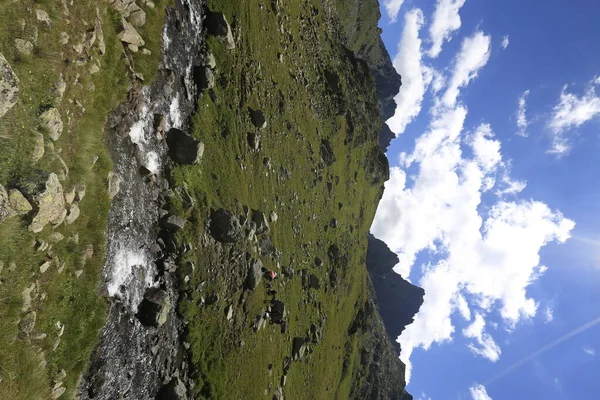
x=590, y=351
x=474, y=55
x=571, y=112
x=507, y=186
x=505, y=42
x=478, y=392
x=415, y=76
x=522, y=122
x=484, y=344
x=392, y=7
x=548, y=315
x=446, y=20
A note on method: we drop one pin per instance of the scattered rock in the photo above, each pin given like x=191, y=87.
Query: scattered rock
x=18, y=203
x=260, y=219
x=38, y=147
x=80, y=192
x=327, y=152
x=44, y=267
x=24, y=47
x=183, y=148
x=173, y=223
x=99, y=37
x=318, y=262
x=316, y=332
x=73, y=214
x=218, y=26
x=267, y=162
x=56, y=237
x=273, y=216
x=26, y=296
x=44, y=191
x=254, y=141
x=130, y=36
x=40, y=245
x=137, y=18
x=204, y=77
x=313, y=282
x=265, y=245
x=229, y=312
x=299, y=348
x=288, y=272
x=60, y=376
x=52, y=122
x=278, y=394
x=210, y=61
x=43, y=17
x=154, y=309
x=9, y=86
x=258, y=118
x=114, y=184
x=64, y=38
x=333, y=223
x=255, y=274
x=27, y=324
x=174, y=390
x=225, y=226
x=57, y=392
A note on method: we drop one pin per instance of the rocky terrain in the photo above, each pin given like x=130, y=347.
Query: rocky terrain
x=186, y=190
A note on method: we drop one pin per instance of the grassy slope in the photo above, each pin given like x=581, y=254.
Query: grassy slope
x=73, y=301
x=231, y=175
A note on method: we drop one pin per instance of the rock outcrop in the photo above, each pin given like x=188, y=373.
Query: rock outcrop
x=398, y=300
x=9, y=86
x=44, y=192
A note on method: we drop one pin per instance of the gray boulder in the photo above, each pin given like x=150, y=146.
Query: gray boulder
x=154, y=309
x=52, y=122
x=255, y=274
x=173, y=223
x=38, y=147
x=218, y=26
x=174, y=390
x=130, y=36
x=18, y=203
x=27, y=324
x=327, y=152
x=262, y=224
x=43, y=17
x=184, y=148
x=24, y=47
x=5, y=210
x=114, y=185
x=9, y=86
x=44, y=191
x=204, y=77
x=299, y=348
x=225, y=226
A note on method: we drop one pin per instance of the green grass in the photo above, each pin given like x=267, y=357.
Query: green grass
x=232, y=176
x=28, y=366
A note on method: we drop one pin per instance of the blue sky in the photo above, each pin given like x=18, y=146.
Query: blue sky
x=493, y=205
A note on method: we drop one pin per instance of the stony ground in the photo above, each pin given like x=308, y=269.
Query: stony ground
x=286, y=179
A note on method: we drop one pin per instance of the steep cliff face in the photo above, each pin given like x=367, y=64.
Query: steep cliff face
x=398, y=300
x=360, y=19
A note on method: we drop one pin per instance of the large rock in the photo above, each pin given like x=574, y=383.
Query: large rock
x=9, y=86
x=218, y=26
x=114, y=185
x=52, y=122
x=27, y=324
x=130, y=36
x=299, y=348
x=225, y=226
x=183, y=148
x=5, y=210
x=258, y=119
x=255, y=274
x=154, y=309
x=204, y=77
x=44, y=191
x=18, y=202
x=38, y=147
x=261, y=221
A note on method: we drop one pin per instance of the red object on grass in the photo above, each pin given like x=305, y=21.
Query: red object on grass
x=272, y=275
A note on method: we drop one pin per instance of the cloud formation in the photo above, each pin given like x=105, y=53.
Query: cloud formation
x=415, y=76
x=548, y=315
x=486, y=255
x=478, y=392
x=571, y=112
x=589, y=351
x=446, y=20
x=474, y=55
x=522, y=122
x=392, y=8
x=483, y=345
x=505, y=42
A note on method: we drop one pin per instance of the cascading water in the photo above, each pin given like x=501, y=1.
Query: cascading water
x=132, y=360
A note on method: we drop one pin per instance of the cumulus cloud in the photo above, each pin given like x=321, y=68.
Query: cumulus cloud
x=571, y=112
x=446, y=20
x=474, y=55
x=478, y=392
x=483, y=345
x=392, y=8
x=589, y=351
x=522, y=122
x=487, y=253
x=415, y=76
x=505, y=42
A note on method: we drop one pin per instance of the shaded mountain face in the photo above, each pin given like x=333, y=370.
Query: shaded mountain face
x=398, y=300
x=360, y=19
